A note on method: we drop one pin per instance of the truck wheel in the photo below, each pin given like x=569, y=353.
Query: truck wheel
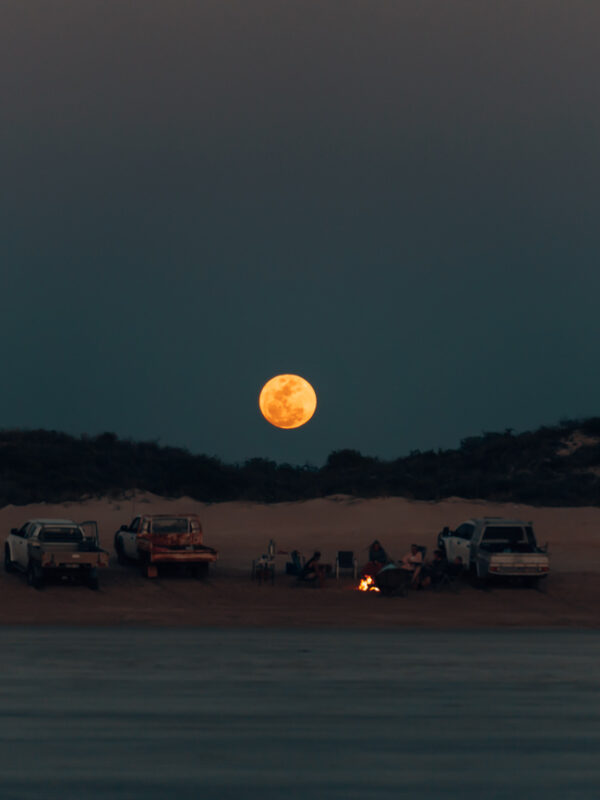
x=478, y=580
x=34, y=575
x=8, y=564
x=201, y=571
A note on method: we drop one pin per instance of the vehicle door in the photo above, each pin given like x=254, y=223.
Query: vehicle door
x=19, y=551
x=532, y=541
x=459, y=544
x=90, y=531
x=129, y=539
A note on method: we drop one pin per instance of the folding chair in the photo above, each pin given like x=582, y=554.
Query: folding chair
x=345, y=559
x=263, y=569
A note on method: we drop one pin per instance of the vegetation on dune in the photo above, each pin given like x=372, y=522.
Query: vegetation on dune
x=558, y=465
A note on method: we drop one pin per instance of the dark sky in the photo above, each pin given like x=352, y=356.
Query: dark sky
x=397, y=200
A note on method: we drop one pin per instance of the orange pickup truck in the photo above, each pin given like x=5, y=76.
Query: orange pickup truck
x=155, y=539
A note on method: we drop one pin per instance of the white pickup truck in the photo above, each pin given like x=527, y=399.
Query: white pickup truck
x=44, y=547
x=492, y=547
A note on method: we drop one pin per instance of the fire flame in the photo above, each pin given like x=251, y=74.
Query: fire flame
x=367, y=584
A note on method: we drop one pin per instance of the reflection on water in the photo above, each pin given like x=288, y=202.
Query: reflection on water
x=124, y=713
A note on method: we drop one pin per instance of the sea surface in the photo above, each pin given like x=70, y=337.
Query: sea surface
x=219, y=713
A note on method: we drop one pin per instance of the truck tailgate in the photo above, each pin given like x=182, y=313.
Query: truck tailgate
x=59, y=558
x=519, y=564
x=192, y=554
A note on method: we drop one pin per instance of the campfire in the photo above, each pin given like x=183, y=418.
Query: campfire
x=367, y=584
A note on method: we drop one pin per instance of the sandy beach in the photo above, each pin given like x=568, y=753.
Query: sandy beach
x=242, y=531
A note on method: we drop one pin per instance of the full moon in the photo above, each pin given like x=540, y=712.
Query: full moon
x=287, y=401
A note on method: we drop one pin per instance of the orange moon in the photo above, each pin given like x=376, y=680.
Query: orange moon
x=287, y=401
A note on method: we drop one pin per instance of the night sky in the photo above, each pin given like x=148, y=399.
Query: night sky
x=397, y=200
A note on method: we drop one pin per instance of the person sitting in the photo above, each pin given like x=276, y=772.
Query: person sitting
x=433, y=572
x=412, y=562
x=312, y=570
x=378, y=558
x=413, y=559
x=294, y=566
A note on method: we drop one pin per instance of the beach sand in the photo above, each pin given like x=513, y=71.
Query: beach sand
x=241, y=532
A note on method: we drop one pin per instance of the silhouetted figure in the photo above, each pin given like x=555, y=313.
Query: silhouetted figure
x=433, y=572
x=378, y=558
x=312, y=570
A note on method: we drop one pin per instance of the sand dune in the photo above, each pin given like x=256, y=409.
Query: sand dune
x=241, y=531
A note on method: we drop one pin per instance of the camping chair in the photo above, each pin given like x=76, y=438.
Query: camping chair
x=345, y=559
x=263, y=569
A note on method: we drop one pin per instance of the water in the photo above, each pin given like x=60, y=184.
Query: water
x=219, y=713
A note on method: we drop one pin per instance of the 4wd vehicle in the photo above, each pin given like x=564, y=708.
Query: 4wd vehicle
x=493, y=547
x=61, y=547
x=155, y=539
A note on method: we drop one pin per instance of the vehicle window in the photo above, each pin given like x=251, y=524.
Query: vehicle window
x=170, y=525
x=465, y=531
x=509, y=535
x=134, y=527
x=61, y=535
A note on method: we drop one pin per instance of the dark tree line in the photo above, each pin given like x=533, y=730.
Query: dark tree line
x=49, y=466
